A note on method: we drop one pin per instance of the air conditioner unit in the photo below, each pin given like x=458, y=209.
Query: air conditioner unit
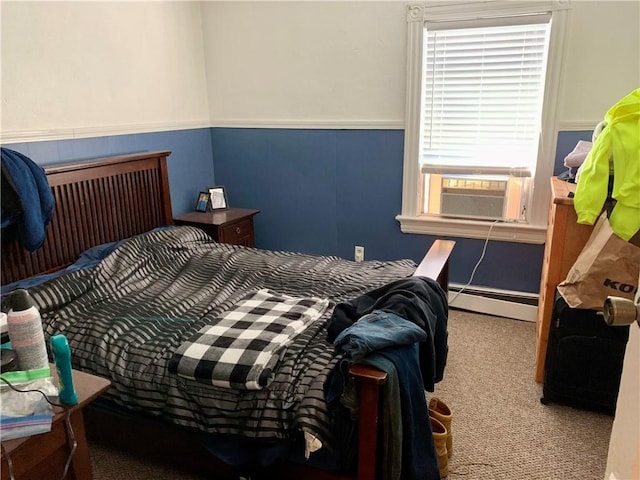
x=469, y=196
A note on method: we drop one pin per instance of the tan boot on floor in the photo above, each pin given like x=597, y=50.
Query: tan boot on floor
x=440, y=441
x=440, y=411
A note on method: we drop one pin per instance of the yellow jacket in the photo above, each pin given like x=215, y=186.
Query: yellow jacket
x=620, y=141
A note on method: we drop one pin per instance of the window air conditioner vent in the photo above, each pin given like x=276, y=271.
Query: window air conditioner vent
x=465, y=196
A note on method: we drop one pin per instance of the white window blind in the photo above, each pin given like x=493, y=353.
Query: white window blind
x=482, y=95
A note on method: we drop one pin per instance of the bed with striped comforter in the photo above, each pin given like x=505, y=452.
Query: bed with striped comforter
x=126, y=317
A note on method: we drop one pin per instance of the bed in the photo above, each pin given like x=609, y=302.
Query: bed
x=124, y=202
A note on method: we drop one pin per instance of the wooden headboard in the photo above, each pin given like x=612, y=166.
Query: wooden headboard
x=95, y=202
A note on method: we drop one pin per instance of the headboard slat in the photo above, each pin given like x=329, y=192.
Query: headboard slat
x=97, y=201
x=64, y=231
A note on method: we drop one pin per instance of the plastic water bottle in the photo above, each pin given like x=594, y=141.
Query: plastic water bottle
x=25, y=331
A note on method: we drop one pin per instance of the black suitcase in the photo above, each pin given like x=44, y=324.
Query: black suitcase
x=584, y=359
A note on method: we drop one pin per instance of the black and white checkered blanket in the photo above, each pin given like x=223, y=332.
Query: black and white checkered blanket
x=241, y=349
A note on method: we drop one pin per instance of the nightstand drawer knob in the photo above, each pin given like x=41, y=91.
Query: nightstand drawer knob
x=238, y=230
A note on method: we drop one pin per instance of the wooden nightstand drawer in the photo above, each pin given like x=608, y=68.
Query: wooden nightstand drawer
x=240, y=233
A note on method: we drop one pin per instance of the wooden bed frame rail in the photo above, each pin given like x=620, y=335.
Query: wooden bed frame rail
x=110, y=199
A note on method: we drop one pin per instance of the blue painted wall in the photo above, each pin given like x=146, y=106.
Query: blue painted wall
x=566, y=143
x=324, y=191
x=190, y=164
x=318, y=191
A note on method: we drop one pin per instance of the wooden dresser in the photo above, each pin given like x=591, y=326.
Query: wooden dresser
x=231, y=225
x=565, y=240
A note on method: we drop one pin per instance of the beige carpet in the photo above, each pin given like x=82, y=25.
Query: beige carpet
x=113, y=464
x=501, y=430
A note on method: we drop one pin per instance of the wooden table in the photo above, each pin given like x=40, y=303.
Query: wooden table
x=44, y=456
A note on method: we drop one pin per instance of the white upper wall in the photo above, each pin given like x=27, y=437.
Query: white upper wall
x=296, y=62
x=343, y=63
x=73, y=69
x=94, y=68
x=603, y=58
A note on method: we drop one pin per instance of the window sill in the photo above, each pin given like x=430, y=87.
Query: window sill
x=452, y=227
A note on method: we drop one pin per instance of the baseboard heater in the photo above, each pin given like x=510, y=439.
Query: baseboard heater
x=490, y=301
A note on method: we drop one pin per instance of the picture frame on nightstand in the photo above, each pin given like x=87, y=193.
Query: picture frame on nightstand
x=218, y=198
x=203, y=202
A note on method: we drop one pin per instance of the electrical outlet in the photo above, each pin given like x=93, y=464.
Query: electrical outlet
x=359, y=253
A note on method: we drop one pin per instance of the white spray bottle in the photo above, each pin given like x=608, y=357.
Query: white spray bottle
x=25, y=331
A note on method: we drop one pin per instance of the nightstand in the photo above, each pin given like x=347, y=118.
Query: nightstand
x=45, y=455
x=231, y=225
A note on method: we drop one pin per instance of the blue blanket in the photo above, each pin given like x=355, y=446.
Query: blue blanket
x=27, y=201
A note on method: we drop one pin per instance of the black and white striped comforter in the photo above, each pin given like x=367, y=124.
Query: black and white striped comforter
x=125, y=318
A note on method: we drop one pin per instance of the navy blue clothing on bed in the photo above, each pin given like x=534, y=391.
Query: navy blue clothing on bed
x=375, y=331
x=419, y=461
x=419, y=300
x=89, y=259
x=27, y=201
x=390, y=343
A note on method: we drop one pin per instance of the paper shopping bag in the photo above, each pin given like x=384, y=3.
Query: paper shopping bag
x=607, y=266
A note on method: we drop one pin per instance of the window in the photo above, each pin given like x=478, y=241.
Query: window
x=480, y=131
